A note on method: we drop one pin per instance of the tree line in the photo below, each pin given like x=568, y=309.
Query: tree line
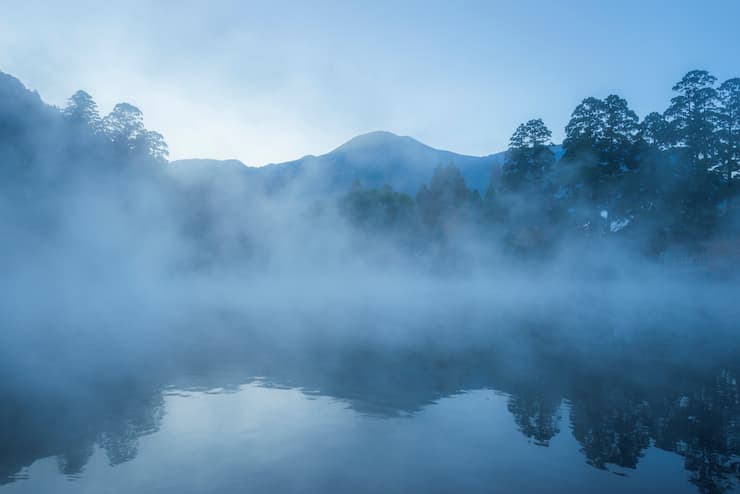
x=45, y=144
x=123, y=127
x=668, y=179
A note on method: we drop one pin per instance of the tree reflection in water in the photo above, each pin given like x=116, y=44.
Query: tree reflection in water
x=619, y=405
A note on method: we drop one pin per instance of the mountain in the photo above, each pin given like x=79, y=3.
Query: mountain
x=380, y=158
x=373, y=159
x=199, y=171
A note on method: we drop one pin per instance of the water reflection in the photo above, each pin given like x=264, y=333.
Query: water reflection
x=617, y=399
x=112, y=418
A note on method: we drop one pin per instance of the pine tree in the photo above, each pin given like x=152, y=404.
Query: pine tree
x=729, y=123
x=601, y=133
x=125, y=128
x=655, y=131
x=81, y=109
x=693, y=117
x=529, y=156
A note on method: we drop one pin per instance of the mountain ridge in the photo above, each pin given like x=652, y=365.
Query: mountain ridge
x=374, y=159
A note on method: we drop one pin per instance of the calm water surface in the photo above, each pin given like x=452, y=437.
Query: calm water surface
x=409, y=420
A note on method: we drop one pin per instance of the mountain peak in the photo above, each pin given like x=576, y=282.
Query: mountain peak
x=375, y=159
x=376, y=139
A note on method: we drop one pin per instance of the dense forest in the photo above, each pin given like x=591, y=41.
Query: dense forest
x=666, y=183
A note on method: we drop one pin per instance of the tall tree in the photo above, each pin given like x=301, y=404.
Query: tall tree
x=693, y=116
x=601, y=145
x=602, y=133
x=529, y=156
x=125, y=127
x=621, y=131
x=152, y=143
x=655, y=131
x=81, y=109
x=124, y=124
x=729, y=123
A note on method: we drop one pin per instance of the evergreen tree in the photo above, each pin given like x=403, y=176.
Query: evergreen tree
x=125, y=127
x=152, y=143
x=601, y=134
x=447, y=197
x=124, y=124
x=602, y=145
x=693, y=116
x=655, y=131
x=529, y=156
x=81, y=109
x=621, y=132
x=729, y=123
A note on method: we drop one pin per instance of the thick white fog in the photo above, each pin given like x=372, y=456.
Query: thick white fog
x=104, y=273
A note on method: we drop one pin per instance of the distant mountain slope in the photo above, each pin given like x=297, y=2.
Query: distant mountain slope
x=374, y=159
x=194, y=171
x=380, y=158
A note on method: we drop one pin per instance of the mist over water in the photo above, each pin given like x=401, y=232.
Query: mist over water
x=322, y=362
x=215, y=328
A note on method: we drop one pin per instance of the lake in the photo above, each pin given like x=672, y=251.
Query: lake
x=521, y=414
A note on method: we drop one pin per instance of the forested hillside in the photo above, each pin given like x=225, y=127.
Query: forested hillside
x=667, y=182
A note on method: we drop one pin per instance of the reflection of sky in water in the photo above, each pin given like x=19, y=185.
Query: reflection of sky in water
x=282, y=440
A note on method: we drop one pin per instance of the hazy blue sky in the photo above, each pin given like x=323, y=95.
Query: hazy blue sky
x=272, y=81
